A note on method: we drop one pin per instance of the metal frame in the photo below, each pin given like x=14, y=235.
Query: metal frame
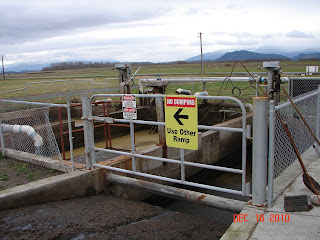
x=90, y=148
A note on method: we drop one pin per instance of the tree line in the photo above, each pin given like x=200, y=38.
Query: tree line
x=77, y=65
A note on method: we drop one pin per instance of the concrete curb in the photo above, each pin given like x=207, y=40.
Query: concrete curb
x=65, y=186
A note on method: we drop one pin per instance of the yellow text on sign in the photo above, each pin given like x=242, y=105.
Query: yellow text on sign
x=181, y=119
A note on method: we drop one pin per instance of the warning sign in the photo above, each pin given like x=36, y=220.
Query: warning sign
x=129, y=107
x=181, y=119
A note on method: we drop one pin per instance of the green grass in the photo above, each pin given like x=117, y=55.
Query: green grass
x=17, y=81
x=4, y=177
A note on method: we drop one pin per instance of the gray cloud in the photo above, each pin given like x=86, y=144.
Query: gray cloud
x=298, y=34
x=237, y=42
x=25, y=21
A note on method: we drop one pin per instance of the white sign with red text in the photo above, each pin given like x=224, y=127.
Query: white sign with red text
x=129, y=107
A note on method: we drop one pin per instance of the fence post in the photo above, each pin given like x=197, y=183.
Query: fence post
x=318, y=119
x=133, y=147
x=88, y=130
x=271, y=152
x=260, y=150
x=160, y=118
x=2, y=140
x=70, y=132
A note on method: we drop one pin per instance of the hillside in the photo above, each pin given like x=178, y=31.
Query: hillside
x=243, y=55
x=304, y=56
x=246, y=55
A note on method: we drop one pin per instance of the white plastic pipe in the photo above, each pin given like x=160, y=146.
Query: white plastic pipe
x=37, y=139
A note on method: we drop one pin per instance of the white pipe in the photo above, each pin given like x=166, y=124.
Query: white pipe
x=37, y=139
x=178, y=193
x=249, y=107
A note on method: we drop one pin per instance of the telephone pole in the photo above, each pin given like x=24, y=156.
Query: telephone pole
x=4, y=76
x=200, y=34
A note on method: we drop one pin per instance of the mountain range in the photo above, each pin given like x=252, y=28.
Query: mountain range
x=221, y=55
x=243, y=55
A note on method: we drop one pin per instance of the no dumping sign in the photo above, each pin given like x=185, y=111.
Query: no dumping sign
x=181, y=122
x=129, y=107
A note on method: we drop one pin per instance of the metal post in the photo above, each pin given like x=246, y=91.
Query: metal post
x=69, y=88
x=183, y=175
x=3, y=73
x=270, y=90
x=26, y=90
x=105, y=125
x=201, y=52
x=260, y=150
x=70, y=132
x=160, y=118
x=2, y=140
x=88, y=130
x=133, y=147
x=271, y=152
x=318, y=119
x=192, y=86
x=204, y=86
x=61, y=134
x=92, y=86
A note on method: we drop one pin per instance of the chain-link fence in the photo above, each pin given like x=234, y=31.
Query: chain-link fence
x=284, y=154
x=26, y=133
x=302, y=85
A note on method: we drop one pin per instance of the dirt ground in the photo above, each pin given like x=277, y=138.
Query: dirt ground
x=103, y=217
x=14, y=173
x=94, y=217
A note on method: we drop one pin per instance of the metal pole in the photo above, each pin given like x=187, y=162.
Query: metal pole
x=69, y=88
x=92, y=86
x=2, y=140
x=270, y=90
x=200, y=33
x=260, y=150
x=88, y=130
x=70, y=132
x=271, y=152
x=4, y=75
x=178, y=193
x=133, y=147
x=204, y=86
x=183, y=175
x=192, y=86
x=61, y=134
x=105, y=125
x=160, y=118
x=318, y=119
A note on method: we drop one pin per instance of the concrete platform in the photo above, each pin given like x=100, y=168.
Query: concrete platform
x=277, y=223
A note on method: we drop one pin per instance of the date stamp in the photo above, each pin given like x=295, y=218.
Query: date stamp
x=277, y=217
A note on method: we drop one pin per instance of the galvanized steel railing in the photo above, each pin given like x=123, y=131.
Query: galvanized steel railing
x=90, y=148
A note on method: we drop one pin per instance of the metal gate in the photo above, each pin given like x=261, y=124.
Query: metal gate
x=92, y=150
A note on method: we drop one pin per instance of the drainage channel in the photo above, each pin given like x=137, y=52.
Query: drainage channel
x=216, y=178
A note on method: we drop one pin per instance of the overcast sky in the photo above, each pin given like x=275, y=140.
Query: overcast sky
x=47, y=31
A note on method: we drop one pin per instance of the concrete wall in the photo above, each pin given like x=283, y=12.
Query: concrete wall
x=65, y=186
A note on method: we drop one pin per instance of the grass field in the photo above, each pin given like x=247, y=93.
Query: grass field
x=22, y=81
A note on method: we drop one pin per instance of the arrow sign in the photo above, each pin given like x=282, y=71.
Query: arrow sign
x=177, y=116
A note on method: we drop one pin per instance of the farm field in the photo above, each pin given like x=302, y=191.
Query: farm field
x=81, y=79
